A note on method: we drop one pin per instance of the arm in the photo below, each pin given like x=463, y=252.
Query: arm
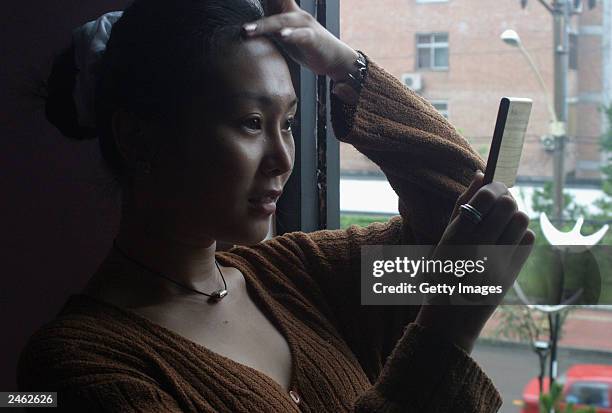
x=424, y=372
x=427, y=374
x=426, y=161
x=429, y=165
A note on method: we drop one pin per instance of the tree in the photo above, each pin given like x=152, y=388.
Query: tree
x=521, y=323
x=550, y=401
x=605, y=202
x=542, y=201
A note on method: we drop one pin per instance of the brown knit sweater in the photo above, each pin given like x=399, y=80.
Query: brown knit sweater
x=346, y=357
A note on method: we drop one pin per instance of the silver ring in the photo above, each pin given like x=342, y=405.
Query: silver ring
x=473, y=214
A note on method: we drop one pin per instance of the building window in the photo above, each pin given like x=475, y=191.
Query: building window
x=573, y=51
x=432, y=51
x=441, y=106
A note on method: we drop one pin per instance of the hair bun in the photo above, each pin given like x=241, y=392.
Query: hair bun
x=60, y=108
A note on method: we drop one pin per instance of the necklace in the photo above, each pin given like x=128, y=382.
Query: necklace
x=214, y=296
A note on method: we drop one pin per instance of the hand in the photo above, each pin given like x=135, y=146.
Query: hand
x=502, y=224
x=304, y=39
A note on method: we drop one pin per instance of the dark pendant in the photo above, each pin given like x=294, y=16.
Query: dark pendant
x=219, y=294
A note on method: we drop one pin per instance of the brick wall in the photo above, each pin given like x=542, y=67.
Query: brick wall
x=482, y=69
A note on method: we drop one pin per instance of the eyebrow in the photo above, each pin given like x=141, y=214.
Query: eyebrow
x=264, y=99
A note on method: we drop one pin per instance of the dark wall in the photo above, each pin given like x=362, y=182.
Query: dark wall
x=57, y=221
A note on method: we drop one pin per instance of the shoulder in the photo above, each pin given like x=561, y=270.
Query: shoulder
x=299, y=248
x=95, y=361
x=78, y=344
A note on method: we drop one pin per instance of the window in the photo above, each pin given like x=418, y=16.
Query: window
x=441, y=106
x=432, y=51
x=416, y=50
x=592, y=394
x=573, y=51
x=432, y=1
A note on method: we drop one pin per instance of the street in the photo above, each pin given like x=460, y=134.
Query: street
x=511, y=367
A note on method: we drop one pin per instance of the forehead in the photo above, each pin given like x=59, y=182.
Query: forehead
x=255, y=67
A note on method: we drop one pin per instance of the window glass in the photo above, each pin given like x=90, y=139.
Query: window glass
x=441, y=57
x=432, y=51
x=591, y=394
x=441, y=38
x=441, y=106
x=424, y=60
x=452, y=54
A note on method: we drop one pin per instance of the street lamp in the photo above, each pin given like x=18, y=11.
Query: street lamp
x=557, y=129
x=512, y=38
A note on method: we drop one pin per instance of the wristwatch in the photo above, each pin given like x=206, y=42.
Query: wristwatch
x=358, y=74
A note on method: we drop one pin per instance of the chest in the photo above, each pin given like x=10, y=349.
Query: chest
x=235, y=328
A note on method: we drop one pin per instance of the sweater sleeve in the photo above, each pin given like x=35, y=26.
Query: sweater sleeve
x=428, y=164
x=426, y=161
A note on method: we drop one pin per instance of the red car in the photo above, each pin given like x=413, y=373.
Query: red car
x=583, y=384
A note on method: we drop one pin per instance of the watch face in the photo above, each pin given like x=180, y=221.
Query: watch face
x=361, y=64
x=361, y=60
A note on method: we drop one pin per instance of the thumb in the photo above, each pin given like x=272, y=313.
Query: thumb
x=475, y=185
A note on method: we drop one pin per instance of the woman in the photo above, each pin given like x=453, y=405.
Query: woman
x=194, y=107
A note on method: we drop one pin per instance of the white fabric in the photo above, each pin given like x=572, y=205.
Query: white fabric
x=89, y=42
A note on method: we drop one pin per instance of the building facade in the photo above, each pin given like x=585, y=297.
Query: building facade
x=451, y=53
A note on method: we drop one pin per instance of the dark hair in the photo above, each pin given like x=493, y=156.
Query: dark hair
x=156, y=59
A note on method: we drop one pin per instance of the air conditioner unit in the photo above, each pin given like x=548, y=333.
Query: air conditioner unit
x=548, y=142
x=413, y=81
x=577, y=7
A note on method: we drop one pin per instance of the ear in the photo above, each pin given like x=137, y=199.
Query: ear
x=133, y=136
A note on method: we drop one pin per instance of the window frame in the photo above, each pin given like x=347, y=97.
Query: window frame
x=311, y=197
x=435, y=102
x=602, y=388
x=432, y=46
x=573, y=50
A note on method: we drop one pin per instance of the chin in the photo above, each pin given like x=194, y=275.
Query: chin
x=257, y=232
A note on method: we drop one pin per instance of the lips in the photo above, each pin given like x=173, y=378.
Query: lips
x=266, y=197
x=265, y=202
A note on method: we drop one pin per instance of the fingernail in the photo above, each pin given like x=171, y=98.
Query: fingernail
x=286, y=32
x=250, y=27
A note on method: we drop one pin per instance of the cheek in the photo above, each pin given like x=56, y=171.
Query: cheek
x=292, y=151
x=223, y=168
x=217, y=151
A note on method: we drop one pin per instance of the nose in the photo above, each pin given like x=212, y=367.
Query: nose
x=279, y=154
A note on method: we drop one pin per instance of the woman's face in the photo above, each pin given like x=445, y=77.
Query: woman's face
x=232, y=152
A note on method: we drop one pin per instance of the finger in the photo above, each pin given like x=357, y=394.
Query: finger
x=515, y=230
x=493, y=225
x=476, y=183
x=279, y=6
x=275, y=23
x=483, y=201
x=523, y=250
x=346, y=93
x=518, y=255
x=296, y=37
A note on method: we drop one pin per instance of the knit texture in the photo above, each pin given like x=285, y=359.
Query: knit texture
x=345, y=357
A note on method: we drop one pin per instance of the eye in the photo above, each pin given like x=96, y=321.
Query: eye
x=253, y=123
x=289, y=124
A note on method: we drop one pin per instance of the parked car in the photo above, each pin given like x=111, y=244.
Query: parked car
x=583, y=384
